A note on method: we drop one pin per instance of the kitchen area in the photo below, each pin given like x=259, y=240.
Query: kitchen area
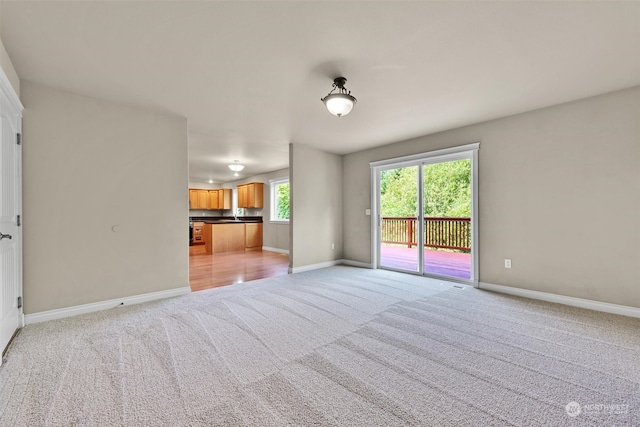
x=226, y=237
x=228, y=232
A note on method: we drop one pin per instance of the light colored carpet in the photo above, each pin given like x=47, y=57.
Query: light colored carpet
x=339, y=346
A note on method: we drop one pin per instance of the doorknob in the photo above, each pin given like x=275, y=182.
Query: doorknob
x=7, y=236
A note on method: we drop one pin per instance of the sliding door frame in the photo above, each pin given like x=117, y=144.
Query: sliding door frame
x=469, y=151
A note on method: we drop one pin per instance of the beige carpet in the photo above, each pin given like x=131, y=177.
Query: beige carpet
x=334, y=347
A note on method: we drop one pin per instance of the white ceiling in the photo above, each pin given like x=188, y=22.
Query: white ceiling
x=249, y=76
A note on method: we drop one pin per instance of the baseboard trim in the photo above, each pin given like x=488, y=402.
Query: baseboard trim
x=60, y=313
x=330, y=264
x=278, y=250
x=315, y=266
x=352, y=263
x=606, y=307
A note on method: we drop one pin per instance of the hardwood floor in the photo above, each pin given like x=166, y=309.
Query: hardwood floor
x=211, y=271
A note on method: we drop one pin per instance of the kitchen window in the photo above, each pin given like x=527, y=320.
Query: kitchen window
x=279, y=199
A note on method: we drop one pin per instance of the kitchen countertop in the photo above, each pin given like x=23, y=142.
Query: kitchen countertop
x=226, y=219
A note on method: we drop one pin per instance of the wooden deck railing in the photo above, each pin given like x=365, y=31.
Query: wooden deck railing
x=445, y=233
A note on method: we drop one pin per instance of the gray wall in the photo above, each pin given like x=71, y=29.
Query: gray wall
x=559, y=195
x=90, y=165
x=205, y=186
x=316, y=206
x=274, y=235
x=9, y=71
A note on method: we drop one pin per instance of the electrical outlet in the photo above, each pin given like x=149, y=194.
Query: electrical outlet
x=507, y=263
x=333, y=246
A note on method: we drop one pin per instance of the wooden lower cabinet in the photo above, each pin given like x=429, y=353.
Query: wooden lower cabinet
x=226, y=238
x=232, y=237
x=253, y=236
x=198, y=233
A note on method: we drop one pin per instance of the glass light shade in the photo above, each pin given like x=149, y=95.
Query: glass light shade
x=339, y=104
x=236, y=167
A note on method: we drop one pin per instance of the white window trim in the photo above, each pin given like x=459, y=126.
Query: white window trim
x=272, y=209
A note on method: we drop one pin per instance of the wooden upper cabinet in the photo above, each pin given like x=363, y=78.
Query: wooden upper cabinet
x=224, y=198
x=220, y=199
x=257, y=189
x=242, y=196
x=251, y=195
x=214, y=199
x=193, y=198
x=203, y=199
x=251, y=192
x=210, y=199
x=198, y=199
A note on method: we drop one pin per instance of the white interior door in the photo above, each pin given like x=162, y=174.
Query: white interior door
x=10, y=207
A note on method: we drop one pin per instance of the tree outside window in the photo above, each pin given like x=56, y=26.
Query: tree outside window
x=280, y=200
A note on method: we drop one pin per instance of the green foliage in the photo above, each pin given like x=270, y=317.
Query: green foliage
x=282, y=201
x=447, y=190
x=399, y=192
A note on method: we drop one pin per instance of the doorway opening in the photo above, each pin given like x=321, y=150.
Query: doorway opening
x=227, y=245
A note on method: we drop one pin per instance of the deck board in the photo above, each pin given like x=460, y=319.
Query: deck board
x=443, y=263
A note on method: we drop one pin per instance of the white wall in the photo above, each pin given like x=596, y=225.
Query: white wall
x=90, y=166
x=559, y=195
x=316, y=206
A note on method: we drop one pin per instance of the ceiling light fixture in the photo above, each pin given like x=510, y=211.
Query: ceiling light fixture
x=339, y=103
x=236, y=166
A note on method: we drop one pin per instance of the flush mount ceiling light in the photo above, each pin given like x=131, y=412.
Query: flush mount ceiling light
x=341, y=102
x=236, y=166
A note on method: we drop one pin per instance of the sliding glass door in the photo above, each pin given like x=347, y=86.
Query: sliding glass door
x=425, y=214
x=446, y=206
x=399, y=248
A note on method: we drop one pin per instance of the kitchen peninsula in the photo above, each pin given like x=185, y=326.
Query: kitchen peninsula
x=227, y=234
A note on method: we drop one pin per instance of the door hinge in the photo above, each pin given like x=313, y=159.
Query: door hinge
x=18, y=221
x=19, y=138
x=19, y=302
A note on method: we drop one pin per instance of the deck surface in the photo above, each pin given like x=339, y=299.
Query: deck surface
x=443, y=263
